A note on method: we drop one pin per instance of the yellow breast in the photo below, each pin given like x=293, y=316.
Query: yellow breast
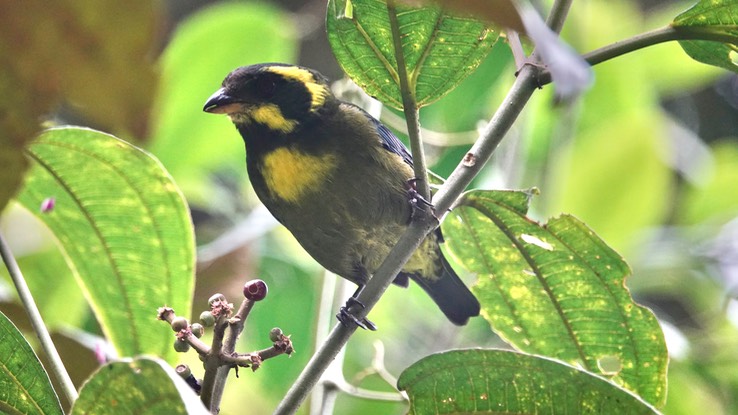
x=290, y=174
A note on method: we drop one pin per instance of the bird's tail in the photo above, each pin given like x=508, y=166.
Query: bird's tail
x=449, y=293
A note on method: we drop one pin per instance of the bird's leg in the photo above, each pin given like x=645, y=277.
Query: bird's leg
x=346, y=317
x=417, y=201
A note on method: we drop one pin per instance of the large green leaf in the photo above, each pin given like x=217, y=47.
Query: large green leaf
x=504, y=382
x=440, y=48
x=139, y=386
x=124, y=227
x=25, y=387
x=557, y=290
x=717, y=19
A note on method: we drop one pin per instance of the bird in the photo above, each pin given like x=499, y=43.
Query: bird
x=339, y=180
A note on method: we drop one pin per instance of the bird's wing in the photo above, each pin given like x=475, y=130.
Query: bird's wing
x=392, y=143
x=389, y=140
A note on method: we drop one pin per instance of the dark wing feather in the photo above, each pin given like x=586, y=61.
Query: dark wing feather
x=389, y=140
x=392, y=143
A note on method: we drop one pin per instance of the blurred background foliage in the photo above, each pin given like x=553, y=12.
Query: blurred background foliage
x=648, y=158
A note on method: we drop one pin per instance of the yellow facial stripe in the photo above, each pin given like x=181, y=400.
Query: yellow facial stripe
x=318, y=92
x=290, y=173
x=271, y=116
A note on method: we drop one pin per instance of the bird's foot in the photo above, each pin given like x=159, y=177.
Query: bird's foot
x=347, y=318
x=416, y=200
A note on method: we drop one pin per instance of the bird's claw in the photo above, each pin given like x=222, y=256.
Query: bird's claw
x=347, y=318
x=417, y=201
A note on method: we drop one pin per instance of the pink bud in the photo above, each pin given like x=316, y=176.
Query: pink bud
x=48, y=205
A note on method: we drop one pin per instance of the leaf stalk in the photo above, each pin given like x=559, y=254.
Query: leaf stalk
x=409, y=106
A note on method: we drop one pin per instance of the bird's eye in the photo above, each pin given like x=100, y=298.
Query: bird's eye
x=265, y=87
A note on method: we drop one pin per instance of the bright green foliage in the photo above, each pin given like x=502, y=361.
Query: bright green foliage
x=25, y=387
x=503, y=382
x=440, y=49
x=124, y=228
x=716, y=18
x=557, y=290
x=142, y=386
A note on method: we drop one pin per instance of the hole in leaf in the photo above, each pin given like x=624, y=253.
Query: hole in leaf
x=733, y=56
x=610, y=365
x=533, y=240
x=347, y=11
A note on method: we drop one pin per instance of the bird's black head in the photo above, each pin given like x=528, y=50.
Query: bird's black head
x=276, y=96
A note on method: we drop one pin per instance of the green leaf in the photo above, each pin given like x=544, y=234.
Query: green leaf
x=139, y=386
x=557, y=290
x=503, y=382
x=440, y=48
x=124, y=228
x=716, y=19
x=476, y=94
x=25, y=387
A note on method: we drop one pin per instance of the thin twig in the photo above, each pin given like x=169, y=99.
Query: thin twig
x=234, y=328
x=328, y=398
x=212, y=380
x=211, y=375
x=368, y=394
x=650, y=38
x=409, y=107
x=324, y=395
x=378, y=364
x=167, y=314
x=653, y=37
x=557, y=17
x=377, y=368
x=55, y=362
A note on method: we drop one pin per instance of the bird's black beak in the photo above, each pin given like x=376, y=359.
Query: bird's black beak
x=221, y=103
